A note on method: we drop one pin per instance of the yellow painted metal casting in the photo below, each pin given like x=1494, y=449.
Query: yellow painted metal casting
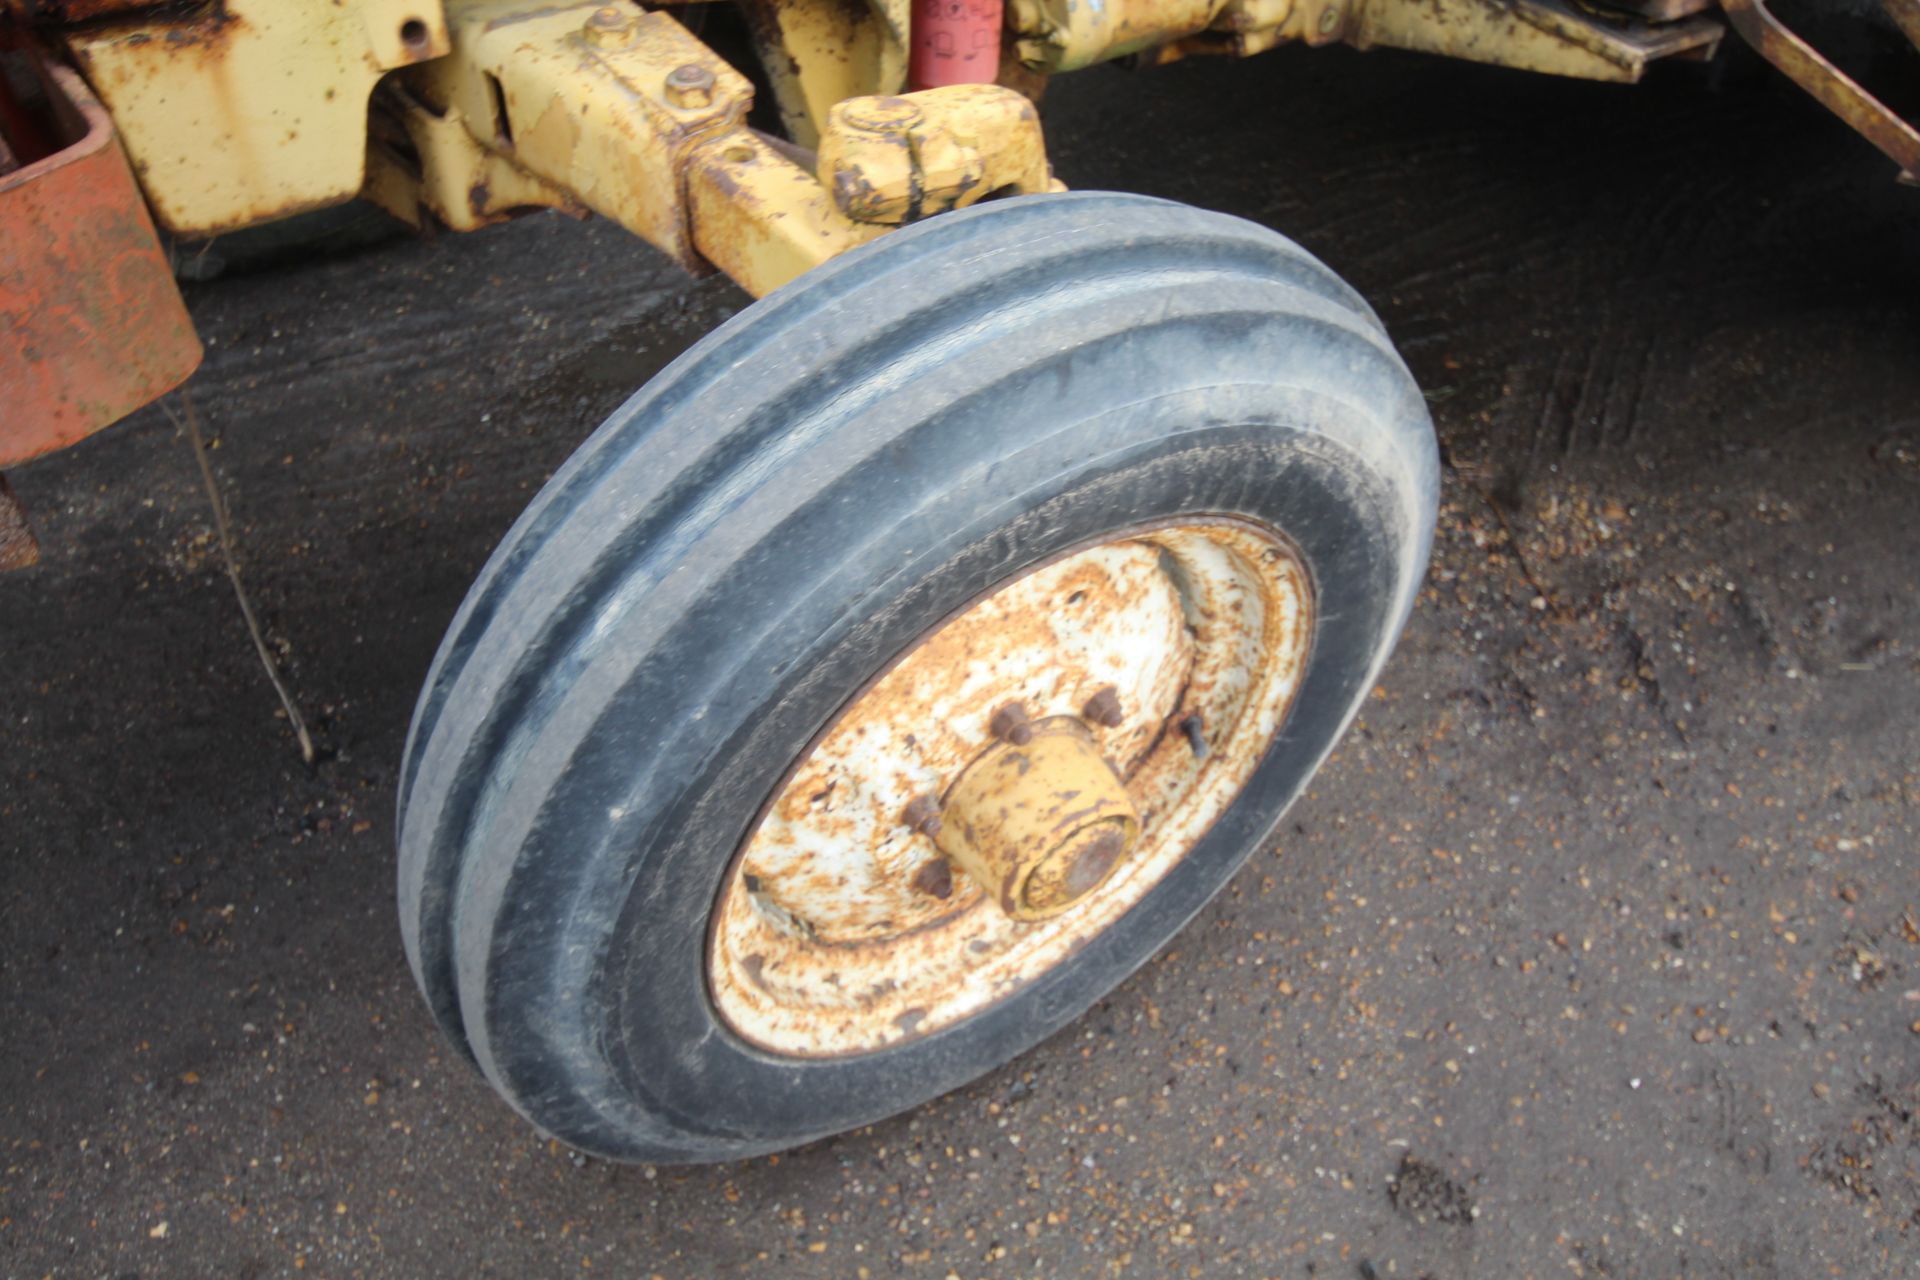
x=821, y=52
x=1532, y=35
x=578, y=96
x=1039, y=824
x=899, y=159
x=1063, y=35
x=761, y=218
x=252, y=109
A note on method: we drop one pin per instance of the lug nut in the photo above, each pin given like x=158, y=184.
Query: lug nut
x=922, y=815
x=934, y=878
x=690, y=85
x=611, y=26
x=1104, y=709
x=1010, y=724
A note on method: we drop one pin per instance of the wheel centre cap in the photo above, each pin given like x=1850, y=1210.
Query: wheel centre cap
x=1039, y=824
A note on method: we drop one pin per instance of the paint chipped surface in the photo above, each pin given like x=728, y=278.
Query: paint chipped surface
x=822, y=945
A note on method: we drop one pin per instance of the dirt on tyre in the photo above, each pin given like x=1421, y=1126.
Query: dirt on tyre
x=904, y=666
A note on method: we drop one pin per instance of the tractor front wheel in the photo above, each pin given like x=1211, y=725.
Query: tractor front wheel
x=902, y=667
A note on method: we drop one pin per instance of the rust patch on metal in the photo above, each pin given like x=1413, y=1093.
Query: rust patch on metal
x=94, y=322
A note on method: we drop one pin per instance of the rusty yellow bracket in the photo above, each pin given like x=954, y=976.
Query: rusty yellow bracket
x=248, y=110
x=1064, y=35
x=818, y=53
x=602, y=102
x=621, y=111
x=761, y=218
x=895, y=160
x=883, y=162
x=424, y=164
x=1532, y=35
x=1551, y=36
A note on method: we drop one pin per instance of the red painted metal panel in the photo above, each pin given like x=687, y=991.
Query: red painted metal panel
x=91, y=323
x=954, y=42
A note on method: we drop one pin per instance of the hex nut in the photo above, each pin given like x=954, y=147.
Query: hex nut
x=922, y=815
x=611, y=26
x=934, y=878
x=1010, y=724
x=690, y=86
x=1104, y=709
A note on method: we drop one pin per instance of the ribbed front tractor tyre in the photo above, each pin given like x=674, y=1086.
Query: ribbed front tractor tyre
x=712, y=835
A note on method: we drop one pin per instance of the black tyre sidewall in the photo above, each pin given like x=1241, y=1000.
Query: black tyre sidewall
x=669, y=1057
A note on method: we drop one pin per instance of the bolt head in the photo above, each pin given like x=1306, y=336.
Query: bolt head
x=611, y=26
x=690, y=85
x=1104, y=709
x=1010, y=724
x=934, y=878
x=922, y=815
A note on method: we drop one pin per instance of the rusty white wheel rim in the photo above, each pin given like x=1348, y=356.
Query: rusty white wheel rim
x=821, y=945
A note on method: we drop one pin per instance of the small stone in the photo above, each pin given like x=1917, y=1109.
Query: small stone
x=1821, y=1089
x=1702, y=1034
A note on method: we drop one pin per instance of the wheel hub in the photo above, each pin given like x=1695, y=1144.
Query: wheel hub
x=1010, y=787
x=1038, y=825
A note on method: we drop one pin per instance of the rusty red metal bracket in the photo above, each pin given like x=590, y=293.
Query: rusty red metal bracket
x=92, y=325
x=1832, y=87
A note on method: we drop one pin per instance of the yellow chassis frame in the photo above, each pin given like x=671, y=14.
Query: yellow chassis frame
x=465, y=112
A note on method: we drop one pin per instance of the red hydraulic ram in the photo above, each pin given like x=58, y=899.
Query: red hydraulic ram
x=954, y=42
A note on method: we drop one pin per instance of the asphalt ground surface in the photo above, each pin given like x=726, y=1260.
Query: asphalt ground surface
x=1595, y=951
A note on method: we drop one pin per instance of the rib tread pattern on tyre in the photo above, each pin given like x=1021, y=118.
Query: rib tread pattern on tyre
x=762, y=423
x=1152, y=237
